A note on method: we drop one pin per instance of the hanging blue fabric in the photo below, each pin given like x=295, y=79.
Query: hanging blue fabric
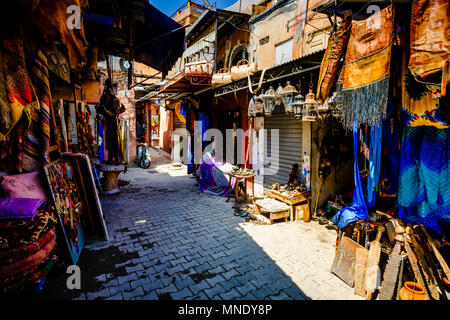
x=391, y=153
x=424, y=189
x=183, y=110
x=374, y=163
x=102, y=146
x=358, y=210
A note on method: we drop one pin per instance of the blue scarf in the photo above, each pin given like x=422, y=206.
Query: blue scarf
x=358, y=210
x=374, y=164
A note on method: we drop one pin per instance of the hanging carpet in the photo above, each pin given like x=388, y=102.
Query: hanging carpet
x=430, y=39
x=367, y=69
x=332, y=57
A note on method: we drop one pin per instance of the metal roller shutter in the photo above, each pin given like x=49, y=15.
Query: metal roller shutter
x=288, y=152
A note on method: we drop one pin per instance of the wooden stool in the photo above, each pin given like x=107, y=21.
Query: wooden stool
x=275, y=208
x=111, y=174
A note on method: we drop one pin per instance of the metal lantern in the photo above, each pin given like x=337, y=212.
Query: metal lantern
x=297, y=105
x=278, y=99
x=335, y=104
x=287, y=95
x=309, y=112
x=269, y=101
x=259, y=104
x=323, y=111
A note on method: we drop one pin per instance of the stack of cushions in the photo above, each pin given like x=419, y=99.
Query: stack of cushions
x=27, y=232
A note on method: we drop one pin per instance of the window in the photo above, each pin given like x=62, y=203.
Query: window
x=263, y=41
x=283, y=52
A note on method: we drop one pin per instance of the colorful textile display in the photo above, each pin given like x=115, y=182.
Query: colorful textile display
x=16, y=91
x=28, y=262
x=25, y=248
x=37, y=136
x=367, y=69
x=14, y=234
x=358, y=210
x=430, y=39
x=32, y=276
x=26, y=97
x=424, y=189
x=332, y=57
x=213, y=181
x=425, y=112
x=421, y=110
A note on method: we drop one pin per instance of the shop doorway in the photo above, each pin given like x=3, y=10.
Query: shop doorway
x=230, y=120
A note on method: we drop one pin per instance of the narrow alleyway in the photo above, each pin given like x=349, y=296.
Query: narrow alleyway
x=170, y=241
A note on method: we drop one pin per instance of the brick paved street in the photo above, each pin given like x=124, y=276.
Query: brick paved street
x=170, y=241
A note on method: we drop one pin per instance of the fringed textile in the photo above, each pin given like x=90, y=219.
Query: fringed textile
x=367, y=69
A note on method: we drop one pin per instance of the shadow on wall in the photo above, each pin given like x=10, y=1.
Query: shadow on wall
x=332, y=154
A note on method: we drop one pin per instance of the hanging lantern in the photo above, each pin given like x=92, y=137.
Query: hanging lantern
x=323, y=111
x=309, y=112
x=278, y=99
x=297, y=106
x=287, y=95
x=269, y=101
x=335, y=104
x=259, y=104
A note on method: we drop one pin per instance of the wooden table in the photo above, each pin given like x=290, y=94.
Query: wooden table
x=236, y=187
x=301, y=198
x=275, y=208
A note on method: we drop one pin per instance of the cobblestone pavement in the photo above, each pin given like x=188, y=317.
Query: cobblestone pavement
x=170, y=241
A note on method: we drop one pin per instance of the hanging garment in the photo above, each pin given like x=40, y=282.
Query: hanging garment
x=430, y=38
x=39, y=128
x=16, y=92
x=424, y=189
x=53, y=19
x=391, y=153
x=358, y=210
x=332, y=57
x=28, y=100
x=367, y=69
x=374, y=163
x=418, y=106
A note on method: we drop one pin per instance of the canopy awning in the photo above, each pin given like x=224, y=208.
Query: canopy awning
x=187, y=82
x=136, y=30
